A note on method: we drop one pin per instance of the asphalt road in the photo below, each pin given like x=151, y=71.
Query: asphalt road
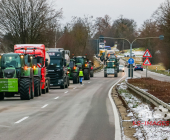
x=139, y=74
x=81, y=112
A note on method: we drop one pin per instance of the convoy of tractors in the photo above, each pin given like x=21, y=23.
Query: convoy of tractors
x=33, y=69
x=111, y=62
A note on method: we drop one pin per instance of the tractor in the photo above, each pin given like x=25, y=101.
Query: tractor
x=82, y=63
x=15, y=76
x=73, y=71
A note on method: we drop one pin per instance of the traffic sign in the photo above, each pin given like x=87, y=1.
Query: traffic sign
x=147, y=62
x=131, y=61
x=147, y=54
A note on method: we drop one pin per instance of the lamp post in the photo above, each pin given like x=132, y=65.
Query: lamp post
x=161, y=37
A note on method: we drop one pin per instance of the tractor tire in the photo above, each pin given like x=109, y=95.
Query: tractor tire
x=2, y=96
x=32, y=93
x=25, y=89
x=40, y=90
x=75, y=78
x=62, y=87
x=47, y=89
x=105, y=74
x=116, y=74
x=44, y=91
x=86, y=74
x=36, y=87
x=91, y=73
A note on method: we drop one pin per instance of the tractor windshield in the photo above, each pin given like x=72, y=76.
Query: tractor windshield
x=110, y=64
x=80, y=60
x=11, y=61
x=56, y=62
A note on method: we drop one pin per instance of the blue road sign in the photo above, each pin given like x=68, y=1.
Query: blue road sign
x=131, y=61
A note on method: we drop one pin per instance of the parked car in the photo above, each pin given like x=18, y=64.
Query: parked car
x=138, y=67
x=128, y=55
x=121, y=68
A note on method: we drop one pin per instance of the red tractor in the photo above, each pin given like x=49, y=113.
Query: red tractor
x=40, y=62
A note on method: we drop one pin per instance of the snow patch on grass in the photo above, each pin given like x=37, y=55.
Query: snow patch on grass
x=142, y=112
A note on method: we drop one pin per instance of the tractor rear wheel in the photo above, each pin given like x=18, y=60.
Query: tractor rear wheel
x=105, y=74
x=36, y=87
x=91, y=73
x=62, y=87
x=47, y=89
x=32, y=89
x=25, y=89
x=44, y=91
x=75, y=78
x=116, y=74
x=86, y=74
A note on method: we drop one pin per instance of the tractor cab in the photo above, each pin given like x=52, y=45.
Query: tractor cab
x=12, y=64
x=110, y=64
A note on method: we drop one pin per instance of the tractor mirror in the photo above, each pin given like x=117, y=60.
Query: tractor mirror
x=46, y=63
x=64, y=62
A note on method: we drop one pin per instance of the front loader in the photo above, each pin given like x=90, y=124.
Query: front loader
x=16, y=77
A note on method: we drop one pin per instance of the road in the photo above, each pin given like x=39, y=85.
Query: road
x=81, y=112
x=139, y=74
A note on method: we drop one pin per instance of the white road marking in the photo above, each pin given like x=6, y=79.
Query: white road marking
x=82, y=85
x=74, y=87
x=116, y=114
x=56, y=98
x=88, y=82
x=66, y=92
x=22, y=119
x=44, y=106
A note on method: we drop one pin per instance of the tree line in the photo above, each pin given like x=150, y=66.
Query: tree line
x=30, y=21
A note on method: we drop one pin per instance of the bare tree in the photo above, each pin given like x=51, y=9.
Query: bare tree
x=27, y=21
x=162, y=18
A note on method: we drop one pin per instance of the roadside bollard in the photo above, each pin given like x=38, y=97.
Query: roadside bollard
x=156, y=68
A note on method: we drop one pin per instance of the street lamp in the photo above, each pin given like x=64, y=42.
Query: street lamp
x=161, y=37
x=58, y=39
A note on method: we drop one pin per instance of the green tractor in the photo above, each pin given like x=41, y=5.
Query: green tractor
x=112, y=67
x=16, y=77
x=81, y=63
x=73, y=71
x=31, y=61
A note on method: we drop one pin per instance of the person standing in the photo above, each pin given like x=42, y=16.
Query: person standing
x=81, y=76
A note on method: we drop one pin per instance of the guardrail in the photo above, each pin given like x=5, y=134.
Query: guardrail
x=148, y=96
x=101, y=64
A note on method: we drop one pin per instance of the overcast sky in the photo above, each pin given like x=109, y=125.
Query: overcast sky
x=139, y=10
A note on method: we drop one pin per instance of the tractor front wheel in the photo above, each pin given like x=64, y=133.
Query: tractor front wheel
x=36, y=87
x=25, y=89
